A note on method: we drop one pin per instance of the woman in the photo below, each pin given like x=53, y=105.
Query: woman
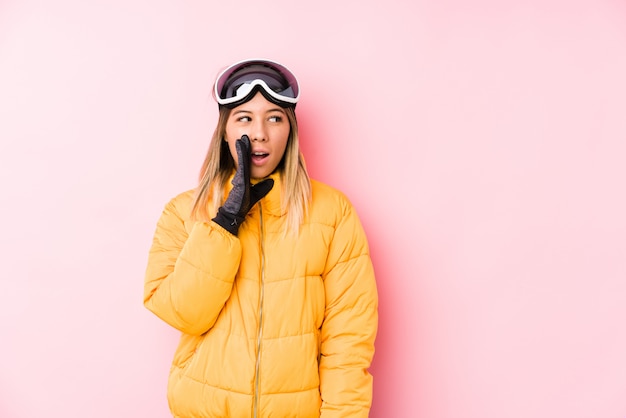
x=265, y=272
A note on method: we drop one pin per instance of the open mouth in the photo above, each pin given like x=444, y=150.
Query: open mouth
x=258, y=157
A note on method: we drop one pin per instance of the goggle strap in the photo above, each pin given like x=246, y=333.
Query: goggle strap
x=240, y=100
x=256, y=86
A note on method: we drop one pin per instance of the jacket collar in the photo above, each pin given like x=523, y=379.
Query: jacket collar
x=271, y=203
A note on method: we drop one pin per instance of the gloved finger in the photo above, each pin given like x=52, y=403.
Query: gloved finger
x=244, y=157
x=259, y=190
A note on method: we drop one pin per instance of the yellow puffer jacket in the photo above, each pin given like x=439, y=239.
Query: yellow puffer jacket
x=272, y=325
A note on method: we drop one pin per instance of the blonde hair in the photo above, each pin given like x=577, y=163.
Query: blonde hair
x=218, y=166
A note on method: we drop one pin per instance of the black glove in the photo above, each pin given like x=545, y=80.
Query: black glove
x=243, y=195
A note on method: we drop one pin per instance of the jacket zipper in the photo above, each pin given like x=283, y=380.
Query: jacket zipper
x=257, y=376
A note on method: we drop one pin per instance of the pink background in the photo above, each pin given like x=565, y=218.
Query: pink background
x=483, y=144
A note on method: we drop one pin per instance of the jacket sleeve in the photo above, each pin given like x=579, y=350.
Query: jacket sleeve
x=350, y=324
x=189, y=276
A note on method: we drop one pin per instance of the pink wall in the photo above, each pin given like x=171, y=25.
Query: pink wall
x=483, y=145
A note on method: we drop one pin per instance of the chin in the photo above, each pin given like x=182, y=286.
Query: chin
x=261, y=174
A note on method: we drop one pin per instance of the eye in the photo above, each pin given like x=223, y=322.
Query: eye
x=244, y=119
x=275, y=118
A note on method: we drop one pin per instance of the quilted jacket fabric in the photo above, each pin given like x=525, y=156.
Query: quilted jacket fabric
x=272, y=325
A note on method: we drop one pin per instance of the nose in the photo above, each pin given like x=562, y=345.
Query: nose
x=258, y=132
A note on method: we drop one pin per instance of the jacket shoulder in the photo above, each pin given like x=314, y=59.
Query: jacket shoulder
x=326, y=193
x=180, y=205
x=329, y=205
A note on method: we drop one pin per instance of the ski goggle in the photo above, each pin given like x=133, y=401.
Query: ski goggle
x=239, y=82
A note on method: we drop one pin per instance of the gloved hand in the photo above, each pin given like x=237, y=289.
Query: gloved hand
x=243, y=194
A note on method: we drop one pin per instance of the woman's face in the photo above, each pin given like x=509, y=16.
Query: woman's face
x=268, y=128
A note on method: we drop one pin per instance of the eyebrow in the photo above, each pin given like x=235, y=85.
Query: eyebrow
x=274, y=109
